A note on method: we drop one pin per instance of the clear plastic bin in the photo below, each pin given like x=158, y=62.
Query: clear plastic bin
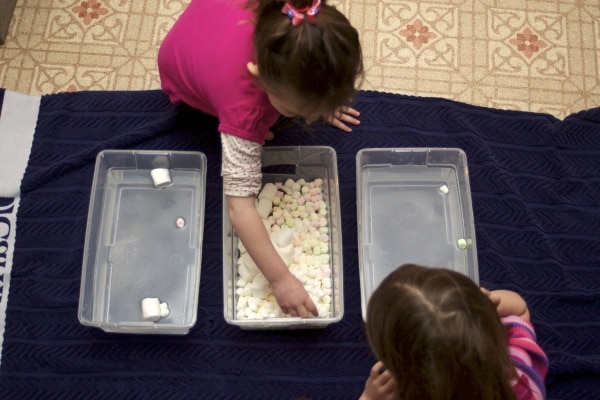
x=143, y=241
x=280, y=164
x=414, y=206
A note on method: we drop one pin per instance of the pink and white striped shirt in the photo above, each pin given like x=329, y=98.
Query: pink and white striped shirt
x=529, y=359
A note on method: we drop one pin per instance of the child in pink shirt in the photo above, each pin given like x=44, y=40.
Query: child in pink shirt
x=248, y=62
x=439, y=336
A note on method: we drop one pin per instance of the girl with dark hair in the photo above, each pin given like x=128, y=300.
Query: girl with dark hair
x=439, y=336
x=248, y=62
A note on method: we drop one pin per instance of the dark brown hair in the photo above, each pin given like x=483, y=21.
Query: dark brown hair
x=439, y=336
x=321, y=62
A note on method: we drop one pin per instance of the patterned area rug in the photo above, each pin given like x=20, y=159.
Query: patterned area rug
x=540, y=56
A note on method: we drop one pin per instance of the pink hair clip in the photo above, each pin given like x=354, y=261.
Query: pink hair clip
x=297, y=15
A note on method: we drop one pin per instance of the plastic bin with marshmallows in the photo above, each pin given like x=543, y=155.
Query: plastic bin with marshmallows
x=300, y=207
x=414, y=206
x=143, y=245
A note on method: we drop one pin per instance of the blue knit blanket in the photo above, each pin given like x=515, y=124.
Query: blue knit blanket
x=535, y=184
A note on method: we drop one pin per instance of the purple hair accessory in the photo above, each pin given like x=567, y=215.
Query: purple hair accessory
x=297, y=15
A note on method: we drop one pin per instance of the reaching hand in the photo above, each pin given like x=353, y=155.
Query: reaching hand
x=508, y=303
x=293, y=298
x=342, y=116
x=380, y=385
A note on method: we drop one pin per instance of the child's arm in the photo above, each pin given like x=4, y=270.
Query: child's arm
x=288, y=290
x=508, y=303
x=380, y=385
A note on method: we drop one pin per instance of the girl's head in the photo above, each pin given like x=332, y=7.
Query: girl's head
x=308, y=59
x=439, y=335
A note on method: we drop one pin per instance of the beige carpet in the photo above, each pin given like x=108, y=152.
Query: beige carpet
x=541, y=56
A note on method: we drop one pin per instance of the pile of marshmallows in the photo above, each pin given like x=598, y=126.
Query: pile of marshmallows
x=295, y=216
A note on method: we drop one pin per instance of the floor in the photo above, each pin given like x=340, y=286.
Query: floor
x=541, y=56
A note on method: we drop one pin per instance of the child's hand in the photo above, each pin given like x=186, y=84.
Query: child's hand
x=293, y=298
x=508, y=303
x=379, y=385
x=342, y=116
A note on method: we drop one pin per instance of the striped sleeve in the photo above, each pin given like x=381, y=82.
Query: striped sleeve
x=529, y=359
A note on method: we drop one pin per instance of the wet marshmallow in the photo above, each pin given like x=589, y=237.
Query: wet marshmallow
x=161, y=177
x=153, y=309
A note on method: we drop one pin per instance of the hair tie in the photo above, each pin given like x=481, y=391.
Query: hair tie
x=297, y=15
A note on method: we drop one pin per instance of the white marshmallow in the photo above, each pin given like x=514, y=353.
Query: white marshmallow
x=264, y=208
x=286, y=253
x=260, y=287
x=164, y=310
x=250, y=264
x=161, y=177
x=241, y=247
x=245, y=273
x=268, y=192
x=242, y=303
x=283, y=237
x=153, y=309
x=323, y=310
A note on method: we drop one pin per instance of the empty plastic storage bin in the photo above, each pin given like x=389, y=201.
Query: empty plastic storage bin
x=280, y=164
x=144, y=241
x=414, y=206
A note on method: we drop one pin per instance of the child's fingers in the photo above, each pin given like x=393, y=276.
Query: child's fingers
x=382, y=379
x=376, y=369
x=389, y=382
x=336, y=122
x=349, y=119
x=493, y=298
x=349, y=110
x=343, y=116
x=348, y=115
x=311, y=308
x=305, y=310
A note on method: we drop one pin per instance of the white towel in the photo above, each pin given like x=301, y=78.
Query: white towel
x=18, y=120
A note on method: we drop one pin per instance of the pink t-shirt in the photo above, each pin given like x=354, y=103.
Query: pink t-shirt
x=203, y=62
